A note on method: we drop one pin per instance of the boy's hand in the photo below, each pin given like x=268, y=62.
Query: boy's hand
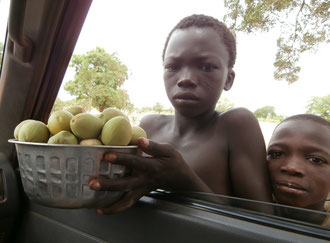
x=165, y=169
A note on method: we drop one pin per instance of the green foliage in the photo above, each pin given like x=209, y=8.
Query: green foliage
x=158, y=107
x=304, y=25
x=98, y=79
x=224, y=104
x=319, y=106
x=62, y=105
x=58, y=105
x=265, y=112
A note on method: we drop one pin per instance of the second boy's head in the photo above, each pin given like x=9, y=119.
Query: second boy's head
x=298, y=157
x=198, y=58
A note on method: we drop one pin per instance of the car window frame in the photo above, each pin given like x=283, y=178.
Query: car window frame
x=192, y=199
x=41, y=104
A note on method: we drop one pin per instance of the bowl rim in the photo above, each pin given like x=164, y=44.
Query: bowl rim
x=72, y=145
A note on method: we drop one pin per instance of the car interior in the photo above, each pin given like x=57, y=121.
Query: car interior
x=39, y=42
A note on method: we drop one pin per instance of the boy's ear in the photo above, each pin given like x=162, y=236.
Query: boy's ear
x=230, y=80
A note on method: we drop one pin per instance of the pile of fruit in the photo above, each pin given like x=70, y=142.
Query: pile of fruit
x=75, y=126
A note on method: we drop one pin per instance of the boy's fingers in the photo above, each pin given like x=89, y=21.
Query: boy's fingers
x=118, y=184
x=129, y=199
x=130, y=160
x=155, y=149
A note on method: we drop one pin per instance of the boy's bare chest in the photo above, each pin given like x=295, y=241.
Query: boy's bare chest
x=206, y=154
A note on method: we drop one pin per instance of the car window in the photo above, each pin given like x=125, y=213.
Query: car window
x=240, y=206
x=137, y=41
x=4, y=10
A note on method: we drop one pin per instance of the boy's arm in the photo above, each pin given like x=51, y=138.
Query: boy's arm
x=247, y=156
x=165, y=169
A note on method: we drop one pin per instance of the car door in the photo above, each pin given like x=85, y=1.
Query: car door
x=40, y=40
x=37, y=51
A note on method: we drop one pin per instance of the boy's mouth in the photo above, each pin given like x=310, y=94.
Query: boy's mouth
x=185, y=96
x=290, y=187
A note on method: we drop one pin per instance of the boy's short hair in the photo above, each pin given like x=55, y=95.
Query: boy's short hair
x=203, y=21
x=310, y=117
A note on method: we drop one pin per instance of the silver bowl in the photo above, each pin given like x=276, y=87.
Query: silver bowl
x=57, y=175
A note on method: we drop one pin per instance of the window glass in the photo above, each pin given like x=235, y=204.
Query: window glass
x=4, y=10
x=137, y=38
x=214, y=203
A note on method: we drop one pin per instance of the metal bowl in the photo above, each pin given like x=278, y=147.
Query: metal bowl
x=57, y=175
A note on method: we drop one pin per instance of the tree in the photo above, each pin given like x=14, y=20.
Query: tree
x=265, y=112
x=158, y=107
x=58, y=105
x=319, y=106
x=99, y=77
x=62, y=105
x=304, y=25
x=224, y=104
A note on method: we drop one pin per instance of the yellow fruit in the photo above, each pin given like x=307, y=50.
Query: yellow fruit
x=85, y=125
x=74, y=110
x=34, y=131
x=109, y=113
x=90, y=142
x=116, y=132
x=136, y=133
x=59, y=121
x=18, y=127
x=63, y=137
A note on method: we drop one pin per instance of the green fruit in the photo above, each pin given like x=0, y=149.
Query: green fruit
x=63, y=137
x=99, y=115
x=59, y=121
x=90, y=142
x=18, y=127
x=136, y=133
x=34, y=131
x=74, y=110
x=116, y=132
x=109, y=113
x=85, y=125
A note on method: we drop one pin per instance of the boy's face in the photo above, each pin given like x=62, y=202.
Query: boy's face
x=196, y=70
x=298, y=158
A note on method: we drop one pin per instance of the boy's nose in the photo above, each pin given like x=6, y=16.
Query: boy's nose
x=186, y=83
x=293, y=166
x=187, y=79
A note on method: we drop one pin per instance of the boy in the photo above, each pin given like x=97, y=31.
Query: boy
x=298, y=158
x=202, y=149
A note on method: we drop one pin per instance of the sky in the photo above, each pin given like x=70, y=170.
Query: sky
x=137, y=30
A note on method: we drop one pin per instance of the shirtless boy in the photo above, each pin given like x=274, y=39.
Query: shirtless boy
x=299, y=161
x=198, y=148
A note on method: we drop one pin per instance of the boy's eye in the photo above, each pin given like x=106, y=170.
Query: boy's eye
x=208, y=67
x=172, y=67
x=317, y=160
x=274, y=154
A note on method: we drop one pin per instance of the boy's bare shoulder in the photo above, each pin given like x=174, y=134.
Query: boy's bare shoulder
x=237, y=113
x=237, y=118
x=155, y=121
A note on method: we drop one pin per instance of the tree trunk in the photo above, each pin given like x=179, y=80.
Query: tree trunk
x=90, y=99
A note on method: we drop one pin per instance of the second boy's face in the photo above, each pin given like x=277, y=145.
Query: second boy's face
x=196, y=70
x=298, y=158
